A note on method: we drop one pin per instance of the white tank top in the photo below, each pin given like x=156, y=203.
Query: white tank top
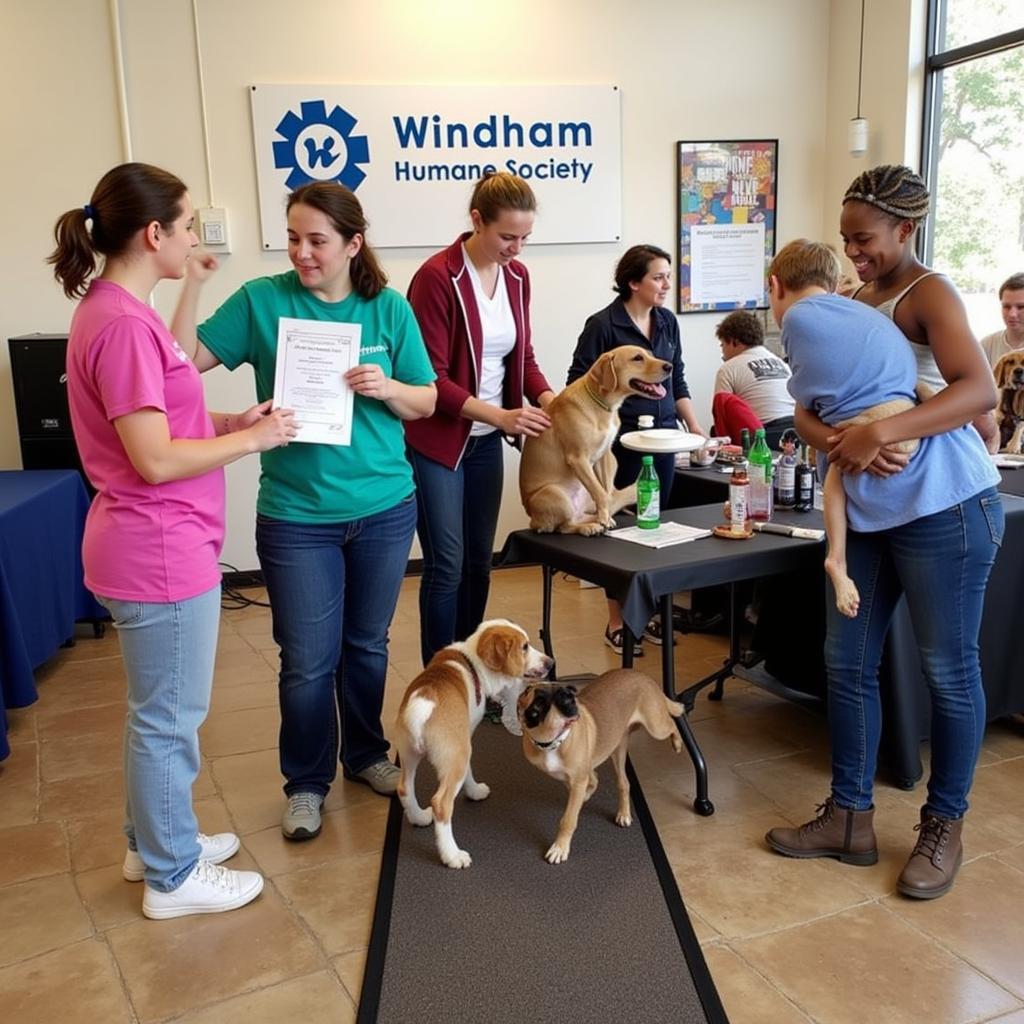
x=927, y=370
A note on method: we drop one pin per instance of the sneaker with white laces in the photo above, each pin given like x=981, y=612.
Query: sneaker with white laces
x=302, y=816
x=381, y=776
x=216, y=849
x=210, y=889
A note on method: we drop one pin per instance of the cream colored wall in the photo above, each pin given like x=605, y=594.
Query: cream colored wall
x=687, y=70
x=892, y=92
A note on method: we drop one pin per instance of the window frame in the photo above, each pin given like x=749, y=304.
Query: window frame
x=937, y=61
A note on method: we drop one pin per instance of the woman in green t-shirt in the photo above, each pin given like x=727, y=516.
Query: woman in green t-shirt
x=334, y=522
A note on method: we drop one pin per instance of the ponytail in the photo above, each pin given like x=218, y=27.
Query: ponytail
x=74, y=259
x=127, y=198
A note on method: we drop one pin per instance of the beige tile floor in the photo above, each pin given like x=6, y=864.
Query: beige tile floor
x=786, y=941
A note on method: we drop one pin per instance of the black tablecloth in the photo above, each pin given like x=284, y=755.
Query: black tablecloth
x=699, y=486
x=793, y=607
x=42, y=517
x=1012, y=482
x=791, y=627
x=637, y=576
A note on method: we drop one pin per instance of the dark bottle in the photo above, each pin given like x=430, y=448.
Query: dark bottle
x=804, y=485
x=785, y=477
x=745, y=441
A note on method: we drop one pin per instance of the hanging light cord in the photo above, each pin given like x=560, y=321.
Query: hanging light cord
x=860, y=63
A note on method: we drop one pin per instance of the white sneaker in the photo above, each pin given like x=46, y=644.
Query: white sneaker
x=210, y=889
x=216, y=849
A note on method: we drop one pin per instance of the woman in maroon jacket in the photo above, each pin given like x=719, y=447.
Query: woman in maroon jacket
x=472, y=301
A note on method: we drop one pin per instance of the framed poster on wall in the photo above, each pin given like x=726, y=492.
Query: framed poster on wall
x=727, y=200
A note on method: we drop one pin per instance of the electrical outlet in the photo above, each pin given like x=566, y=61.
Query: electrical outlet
x=212, y=228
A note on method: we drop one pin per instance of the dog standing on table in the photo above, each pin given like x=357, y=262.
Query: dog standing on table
x=568, y=733
x=567, y=474
x=1009, y=374
x=442, y=707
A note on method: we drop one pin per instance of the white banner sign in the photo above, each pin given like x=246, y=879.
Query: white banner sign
x=412, y=153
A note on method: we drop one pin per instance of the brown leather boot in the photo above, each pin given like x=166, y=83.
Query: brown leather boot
x=936, y=859
x=836, y=832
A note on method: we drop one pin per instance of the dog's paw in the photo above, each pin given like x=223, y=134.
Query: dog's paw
x=458, y=859
x=557, y=854
x=421, y=817
x=478, y=791
x=513, y=726
x=623, y=820
x=590, y=529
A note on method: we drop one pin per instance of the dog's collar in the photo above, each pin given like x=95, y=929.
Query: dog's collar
x=472, y=671
x=557, y=741
x=600, y=401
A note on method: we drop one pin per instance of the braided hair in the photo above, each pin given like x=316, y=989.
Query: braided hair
x=893, y=189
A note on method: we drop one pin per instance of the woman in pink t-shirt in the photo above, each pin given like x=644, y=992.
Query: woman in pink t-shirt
x=155, y=528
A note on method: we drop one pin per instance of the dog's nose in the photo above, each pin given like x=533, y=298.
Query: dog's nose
x=666, y=367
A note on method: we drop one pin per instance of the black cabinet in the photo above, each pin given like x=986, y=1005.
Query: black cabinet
x=38, y=371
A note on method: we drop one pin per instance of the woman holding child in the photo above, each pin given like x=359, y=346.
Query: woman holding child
x=930, y=530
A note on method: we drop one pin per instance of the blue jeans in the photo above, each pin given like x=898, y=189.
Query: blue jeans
x=168, y=652
x=458, y=518
x=333, y=588
x=942, y=563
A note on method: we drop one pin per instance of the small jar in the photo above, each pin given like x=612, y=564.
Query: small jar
x=645, y=422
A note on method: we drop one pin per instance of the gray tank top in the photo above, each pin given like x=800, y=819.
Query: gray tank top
x=927, y=370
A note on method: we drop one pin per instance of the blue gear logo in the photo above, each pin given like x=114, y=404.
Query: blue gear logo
x=321, y=148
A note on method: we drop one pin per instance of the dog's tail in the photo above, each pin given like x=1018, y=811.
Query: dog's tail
x=675, y=709
x=415, y=716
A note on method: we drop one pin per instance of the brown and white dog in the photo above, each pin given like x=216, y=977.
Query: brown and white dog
x=442, y=707
x=1009, y=374
x=567, y=473
x=568, y=733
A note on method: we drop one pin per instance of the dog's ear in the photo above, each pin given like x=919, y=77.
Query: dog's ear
x=525, y=699
x=533, y=712
x=495, y=648
x=1002, y=372
x=605, y=372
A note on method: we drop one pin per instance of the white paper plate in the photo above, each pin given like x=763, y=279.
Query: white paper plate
x=662, y=441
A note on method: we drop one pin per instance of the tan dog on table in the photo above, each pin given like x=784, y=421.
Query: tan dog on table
x=442, y=707
x=567, y=474
x=568, y=733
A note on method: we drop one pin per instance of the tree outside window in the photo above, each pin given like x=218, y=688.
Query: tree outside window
x=977, y=236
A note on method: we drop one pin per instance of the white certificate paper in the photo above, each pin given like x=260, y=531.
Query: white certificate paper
x=312, y=358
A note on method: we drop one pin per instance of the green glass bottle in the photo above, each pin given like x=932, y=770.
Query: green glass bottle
x=648, y=495
x=760, y=460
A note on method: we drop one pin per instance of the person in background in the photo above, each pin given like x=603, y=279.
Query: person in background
x=750, y=383
x=1011, y=301
x=929, y=532
x=882, y=210
x=472, y=301
x=643, y=281
x=155, y=529
x=334, y=523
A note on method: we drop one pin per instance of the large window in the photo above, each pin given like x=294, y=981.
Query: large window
x=974, y=149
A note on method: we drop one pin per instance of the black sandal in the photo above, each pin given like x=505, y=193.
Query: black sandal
x=614, y=638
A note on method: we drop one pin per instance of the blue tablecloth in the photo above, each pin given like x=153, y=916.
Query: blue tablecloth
x=42, y=518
